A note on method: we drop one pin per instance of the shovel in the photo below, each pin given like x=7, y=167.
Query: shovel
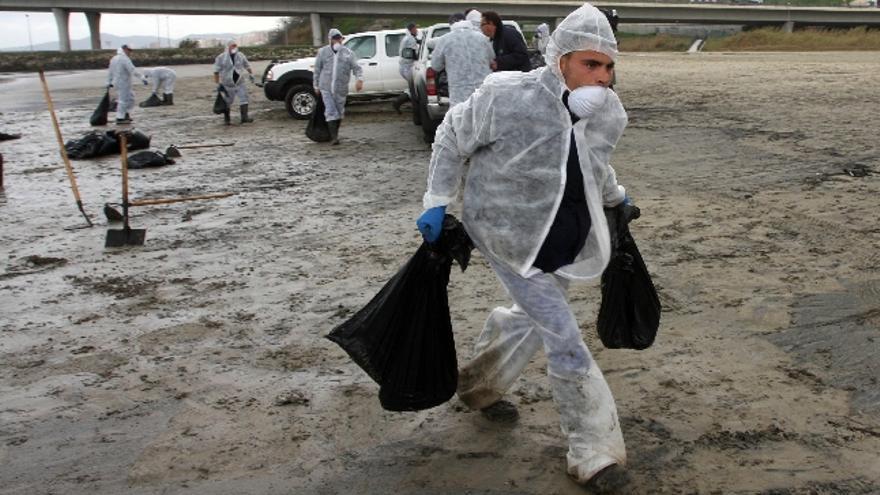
x=64, y=157
x=114, y=216
x=173, y=151
x=127, y=236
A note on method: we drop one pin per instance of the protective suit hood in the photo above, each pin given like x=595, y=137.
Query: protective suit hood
x=586, y=28
x=465, y=24
x=475, y=17
x=333, y=32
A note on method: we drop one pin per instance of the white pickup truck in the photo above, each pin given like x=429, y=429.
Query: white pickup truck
x=293, y=81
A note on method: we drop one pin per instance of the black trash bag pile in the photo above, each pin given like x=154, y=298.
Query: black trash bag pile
x=99, y=116
x=403, y=337
x=220, y=105
x=96, y=143
x=630, y=312
x=152, y=101
x=8, y=137
x=317, y=129
x=536, y=59
x=148, y=159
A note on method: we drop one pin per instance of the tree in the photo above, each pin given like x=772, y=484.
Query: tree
x=188, y=43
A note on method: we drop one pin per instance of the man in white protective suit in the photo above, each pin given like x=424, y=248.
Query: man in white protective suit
x=407, y=53
x=229, y=69
x=334, y=65
x=119, y=76
x=160, y=78
x=466, y=55
x=539, y=145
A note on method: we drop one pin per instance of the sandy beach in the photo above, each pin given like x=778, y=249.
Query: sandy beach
x=197, y=363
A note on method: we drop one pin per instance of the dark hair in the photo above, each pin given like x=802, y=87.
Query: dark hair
x=458, y=16
x=493, y=17
x=411, y=25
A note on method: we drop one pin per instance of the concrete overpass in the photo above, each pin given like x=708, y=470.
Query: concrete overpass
x=512, y=9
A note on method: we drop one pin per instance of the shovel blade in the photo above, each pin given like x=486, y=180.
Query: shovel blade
x=125, y=237
x=172, y=152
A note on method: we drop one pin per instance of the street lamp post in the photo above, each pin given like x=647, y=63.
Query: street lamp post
x=30, y=41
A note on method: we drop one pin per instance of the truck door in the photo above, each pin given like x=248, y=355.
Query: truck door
x=390, y=71
x=364, y=48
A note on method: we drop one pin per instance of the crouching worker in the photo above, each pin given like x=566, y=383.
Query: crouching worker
x=229, y=69
x=333, y=68
x=538, y=179
x=160, y=78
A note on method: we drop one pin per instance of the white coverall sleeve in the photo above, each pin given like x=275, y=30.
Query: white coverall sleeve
x=612, y=192
x=217, y=67
x=244, y=61
x=356, y=68
x=110, y=74
x=438, y=58
x=319, y=65
x=465, y=129
x=133, y=70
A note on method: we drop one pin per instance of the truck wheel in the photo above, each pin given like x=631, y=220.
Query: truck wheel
x=300, y=101
x=428, y=126
x=417, y=113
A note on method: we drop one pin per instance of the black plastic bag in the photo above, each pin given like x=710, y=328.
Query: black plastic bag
x=220, y=105
x=96, y=143
x=148, y=159
x=99, y=116
x=403, y=337
x=152, y=101
x=629, y=315
x=317, y=129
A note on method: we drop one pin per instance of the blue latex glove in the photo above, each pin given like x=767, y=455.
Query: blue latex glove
x=252, y=79
x=430, y=224
x=144, y=81
x=627, y=200
x=221, y=89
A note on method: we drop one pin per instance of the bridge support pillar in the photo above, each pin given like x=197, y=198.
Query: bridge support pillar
x=788, y=27
x=94, y=20
x=317, y=30
x=62, y=19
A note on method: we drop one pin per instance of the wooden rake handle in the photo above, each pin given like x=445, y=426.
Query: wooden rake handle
x=148, y=202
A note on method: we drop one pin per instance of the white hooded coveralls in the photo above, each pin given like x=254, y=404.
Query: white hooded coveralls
x=406, y=64
x=119, y=75
x=161, y=77
x=333, y=69
x=465, y=54
x=225, y=65
x=515, y=181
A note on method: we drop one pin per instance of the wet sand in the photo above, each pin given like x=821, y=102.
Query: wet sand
x=197, y=363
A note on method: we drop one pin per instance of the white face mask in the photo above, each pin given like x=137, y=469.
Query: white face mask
x=585, y=100
x=233, y=51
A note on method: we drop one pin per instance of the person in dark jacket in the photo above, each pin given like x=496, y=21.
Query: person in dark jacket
x=508, y=43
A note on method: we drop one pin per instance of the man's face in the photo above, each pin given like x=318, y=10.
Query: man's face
x=414, y=30
x=232, y=48
x=586, y=68
x=488, y=28
x=127, y=51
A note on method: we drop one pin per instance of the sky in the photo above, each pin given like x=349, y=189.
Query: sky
x=14, y=26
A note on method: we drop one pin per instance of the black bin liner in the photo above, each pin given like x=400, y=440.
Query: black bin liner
x=629, y=315
x=148, y=159
x=317, y=129
x=99, y=116
x=95, y=143
x=220, y=105
x=403, y=337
